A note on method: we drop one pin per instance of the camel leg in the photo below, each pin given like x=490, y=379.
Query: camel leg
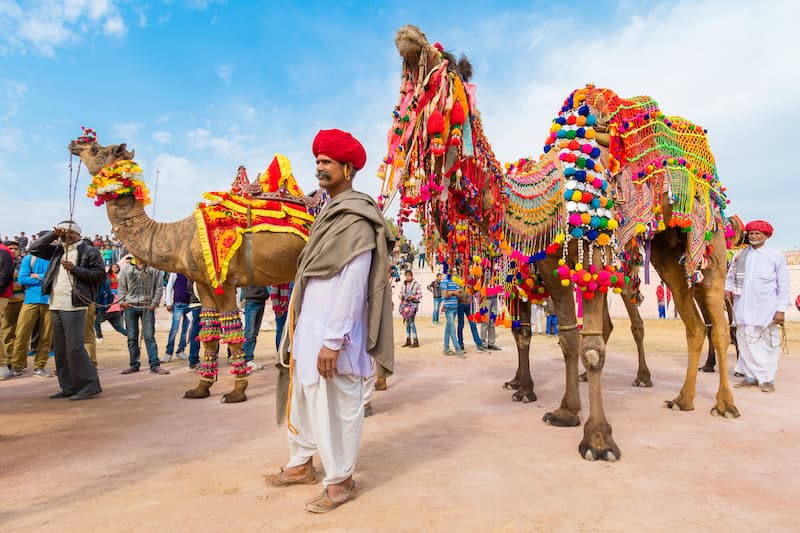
x=209, y=336
x=597, y=441
x=563, y=297
x=665, y=260
x=233, y=335
x=637, y=330
x=522, y=337
x=608, y=328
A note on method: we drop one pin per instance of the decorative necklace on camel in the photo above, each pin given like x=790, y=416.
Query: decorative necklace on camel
x=122, y=178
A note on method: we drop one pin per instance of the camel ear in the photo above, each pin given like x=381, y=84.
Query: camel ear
x=120, y=149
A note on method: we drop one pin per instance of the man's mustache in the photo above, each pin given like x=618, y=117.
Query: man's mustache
x=322, y=173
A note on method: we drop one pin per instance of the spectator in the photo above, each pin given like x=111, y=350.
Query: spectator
x=421, y=254
x=758, y=283
x=108, y=255
x=551, y=328
x=73, y=275
x=113, y=278
x=435, y=287
x=450, y=293
x=35, y=309
x=410, y=296
x=661, y=298
x=488, y=332
x=7, y=261
x=108, y=310
x=255, y=300
x=140, y=288
x=537, y=317
x=177, y=297
x=23, y=243
x=465, y=311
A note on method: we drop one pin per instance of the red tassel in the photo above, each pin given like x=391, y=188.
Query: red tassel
x=435, y=123
x=219, y=291
x=457, y=114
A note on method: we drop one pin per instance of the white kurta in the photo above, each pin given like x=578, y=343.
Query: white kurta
x=764, y=291
x=328, y=414
x=61, y=293
x=334, y=313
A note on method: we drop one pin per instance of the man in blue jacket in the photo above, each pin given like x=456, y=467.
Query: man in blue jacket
x=34, y=307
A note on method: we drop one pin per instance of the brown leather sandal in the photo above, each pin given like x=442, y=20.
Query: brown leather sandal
x=278, y=480
x=324, y=503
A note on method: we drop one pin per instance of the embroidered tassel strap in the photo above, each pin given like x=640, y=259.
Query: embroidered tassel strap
x=208, y=368
x=209, y=326
x=232, y=332
x=239, y=366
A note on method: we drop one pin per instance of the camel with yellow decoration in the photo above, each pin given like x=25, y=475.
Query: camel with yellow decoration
x=237, y=239
x=618, y=180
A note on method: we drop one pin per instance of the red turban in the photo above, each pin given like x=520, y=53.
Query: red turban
x=760, y=225
x=341, y=147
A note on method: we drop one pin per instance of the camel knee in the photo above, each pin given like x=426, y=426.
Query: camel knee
x=592, y=359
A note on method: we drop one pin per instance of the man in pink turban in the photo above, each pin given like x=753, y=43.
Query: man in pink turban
x=339, y=328
x=758, y=283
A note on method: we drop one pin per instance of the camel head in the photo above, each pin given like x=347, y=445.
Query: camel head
x=96, y=156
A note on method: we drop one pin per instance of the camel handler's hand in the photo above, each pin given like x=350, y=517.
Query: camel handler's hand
x=169, y=309
x=779, y=318
x=326, y=362
x=68, y=266
x=124, y=305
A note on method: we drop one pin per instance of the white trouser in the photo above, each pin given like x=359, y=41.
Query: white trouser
x=329, y=418
x=537, y=315
x=759, y=350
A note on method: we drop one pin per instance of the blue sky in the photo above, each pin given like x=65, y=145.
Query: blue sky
x=198, y=87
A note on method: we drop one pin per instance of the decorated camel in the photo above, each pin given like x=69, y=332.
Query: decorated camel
x=618, y=180
x=238, y=239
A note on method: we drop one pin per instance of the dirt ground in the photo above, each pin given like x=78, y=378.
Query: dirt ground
x=447, y=450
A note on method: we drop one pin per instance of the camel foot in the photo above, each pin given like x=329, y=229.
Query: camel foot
x=582, y=377
x=511, y=385
x=726, y=410
x=201, y=391
x=597, y=444
x=380, y=383
x=642, y=381
x=524, y=396
x=562, y=418
x=708, y=369
x=237, y=395
x=679, y=404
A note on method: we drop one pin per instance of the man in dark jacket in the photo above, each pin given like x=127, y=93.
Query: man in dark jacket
x=72, y=281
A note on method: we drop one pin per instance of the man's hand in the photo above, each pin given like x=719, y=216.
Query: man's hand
x=68, y=266
x=35, y=276
x=779, y=317
x=326, y=362
x=152, y=308
x=169, y=308
x=124, y=305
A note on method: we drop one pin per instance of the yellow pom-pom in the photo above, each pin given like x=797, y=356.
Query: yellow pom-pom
x=578, y=266
x=561, y=262
x=565, y=283
x=559, y=238
x=640, y=228
x=613, y=224
x=661, y=225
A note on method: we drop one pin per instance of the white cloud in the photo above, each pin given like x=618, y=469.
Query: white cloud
x=233, y=145
x=42, y=26
x=224, y=72
x=115, y=27
x=12, y=92
x=162, y=137
x=126, y=131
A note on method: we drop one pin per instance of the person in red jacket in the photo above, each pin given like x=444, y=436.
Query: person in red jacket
x=6, y=291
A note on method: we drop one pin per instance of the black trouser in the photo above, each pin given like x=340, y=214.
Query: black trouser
x=74, y=369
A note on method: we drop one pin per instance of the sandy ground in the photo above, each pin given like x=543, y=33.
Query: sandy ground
x=446, y=450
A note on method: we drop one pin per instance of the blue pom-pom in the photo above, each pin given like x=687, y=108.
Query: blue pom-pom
x=546, y=148
x=580, y=132
x=583, y=110
x=595, y=222
x=591, y=234
x=492, y=317
x=595, y=152
x=515, y=324
x=561, y=121
x=509, y=278
x=570, y=171
x=590, y=164
x=590, y=120
x=568, y=195
x=577, y=233
x=530, y=260
x=580, y=175
x=561, y=134
x=595, y=203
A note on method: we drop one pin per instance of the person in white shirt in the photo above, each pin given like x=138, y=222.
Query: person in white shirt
x=342, y=303
x=758, y=282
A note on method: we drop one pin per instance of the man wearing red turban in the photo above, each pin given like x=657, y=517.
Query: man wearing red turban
x=343, y=310
x=758, y=282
